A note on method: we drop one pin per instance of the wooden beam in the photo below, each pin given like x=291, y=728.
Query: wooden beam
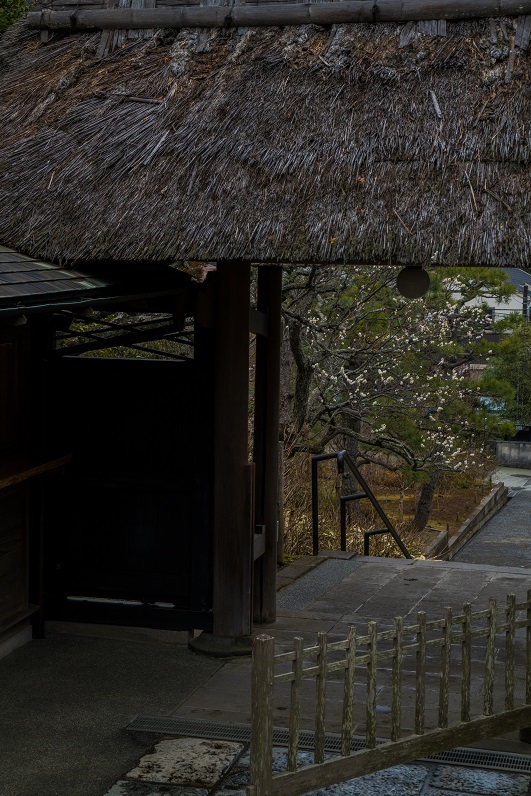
x=14, y=471
x=270, y=14
x=366, y=761
x=233, y=530
x=266, y=444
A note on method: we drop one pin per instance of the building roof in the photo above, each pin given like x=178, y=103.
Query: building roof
x=518, y=277
x=29, y=285
x=402, y=143
x=26, y=283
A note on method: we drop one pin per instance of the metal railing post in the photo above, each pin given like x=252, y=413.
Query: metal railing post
x=315, y=508
x=343, y=512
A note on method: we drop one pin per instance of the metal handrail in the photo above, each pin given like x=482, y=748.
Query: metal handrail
x=343, y=458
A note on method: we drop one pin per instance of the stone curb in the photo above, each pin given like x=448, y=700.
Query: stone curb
x=489, y=506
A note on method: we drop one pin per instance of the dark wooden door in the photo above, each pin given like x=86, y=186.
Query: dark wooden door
x=128, y=539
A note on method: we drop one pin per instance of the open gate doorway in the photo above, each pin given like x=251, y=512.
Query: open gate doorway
x=128, y=540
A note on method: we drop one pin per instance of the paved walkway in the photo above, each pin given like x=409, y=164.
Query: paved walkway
x=65, y=701
x=340, y=592
x=327, y=594
x=506, y=538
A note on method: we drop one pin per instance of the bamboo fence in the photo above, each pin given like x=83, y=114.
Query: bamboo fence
x=479, y=656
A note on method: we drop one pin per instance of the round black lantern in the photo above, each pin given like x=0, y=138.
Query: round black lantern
x=413, y=282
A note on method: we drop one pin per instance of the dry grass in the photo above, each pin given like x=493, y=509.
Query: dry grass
x=290, y=145
x=457, y=497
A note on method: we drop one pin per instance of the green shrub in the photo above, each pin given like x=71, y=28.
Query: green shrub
x=10, y=12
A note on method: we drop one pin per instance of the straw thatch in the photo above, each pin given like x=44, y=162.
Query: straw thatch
x=360, y=143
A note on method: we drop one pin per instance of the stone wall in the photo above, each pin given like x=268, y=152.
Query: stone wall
x=513, y=454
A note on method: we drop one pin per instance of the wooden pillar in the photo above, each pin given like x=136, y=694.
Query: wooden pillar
x=233, y=531
x=266, y=444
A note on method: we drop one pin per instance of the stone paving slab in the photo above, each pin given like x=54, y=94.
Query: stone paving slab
x=187, y=761
x=128, y=788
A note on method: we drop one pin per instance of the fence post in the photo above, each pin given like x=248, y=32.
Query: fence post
x=444, y=684
x=348, y=694
x=372, y=662
x=261, y=763
x=525, y=732
x=295, y=705
x=396, y=702
x=320, y=709
x=420, y=686
x=490, y=659
x=466, y=661
x=509, y=652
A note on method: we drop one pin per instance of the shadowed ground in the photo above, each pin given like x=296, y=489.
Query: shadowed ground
x=65, y=700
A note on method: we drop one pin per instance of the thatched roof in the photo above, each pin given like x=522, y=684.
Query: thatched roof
x=361, y=143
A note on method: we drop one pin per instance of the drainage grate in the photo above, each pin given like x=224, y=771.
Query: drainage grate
x=199, y=728
x=484, y=758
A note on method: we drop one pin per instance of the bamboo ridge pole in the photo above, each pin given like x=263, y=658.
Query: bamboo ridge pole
x=267, y=14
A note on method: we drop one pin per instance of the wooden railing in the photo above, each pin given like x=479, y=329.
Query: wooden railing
x=482, y=658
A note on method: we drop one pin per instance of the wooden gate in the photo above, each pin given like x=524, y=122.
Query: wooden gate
x=481, y=661
x=129, y=541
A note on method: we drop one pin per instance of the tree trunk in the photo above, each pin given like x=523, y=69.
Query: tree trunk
x=351, y=445
x=422, y=513
x=303, y=376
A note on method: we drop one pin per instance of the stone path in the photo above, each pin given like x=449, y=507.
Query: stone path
x=65, y=700
x=187, y=767
x=68, y=716
x=506, y=538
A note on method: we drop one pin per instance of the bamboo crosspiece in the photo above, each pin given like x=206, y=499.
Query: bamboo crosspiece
x=366, y=658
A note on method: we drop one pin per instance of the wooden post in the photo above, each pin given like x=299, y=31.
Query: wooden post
x=320, y=708
x=466, y=655
x=525, y=732
x=280, y=503
x=372, y=662
x=348, y=694
x=261, y=762
x=266, y=442
x=488, y=703
x=420, y=690
x=444, y=684
x=232, y=535
x=528, y=651
x=396, y=703
x=509, y=652
x=295, y=705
